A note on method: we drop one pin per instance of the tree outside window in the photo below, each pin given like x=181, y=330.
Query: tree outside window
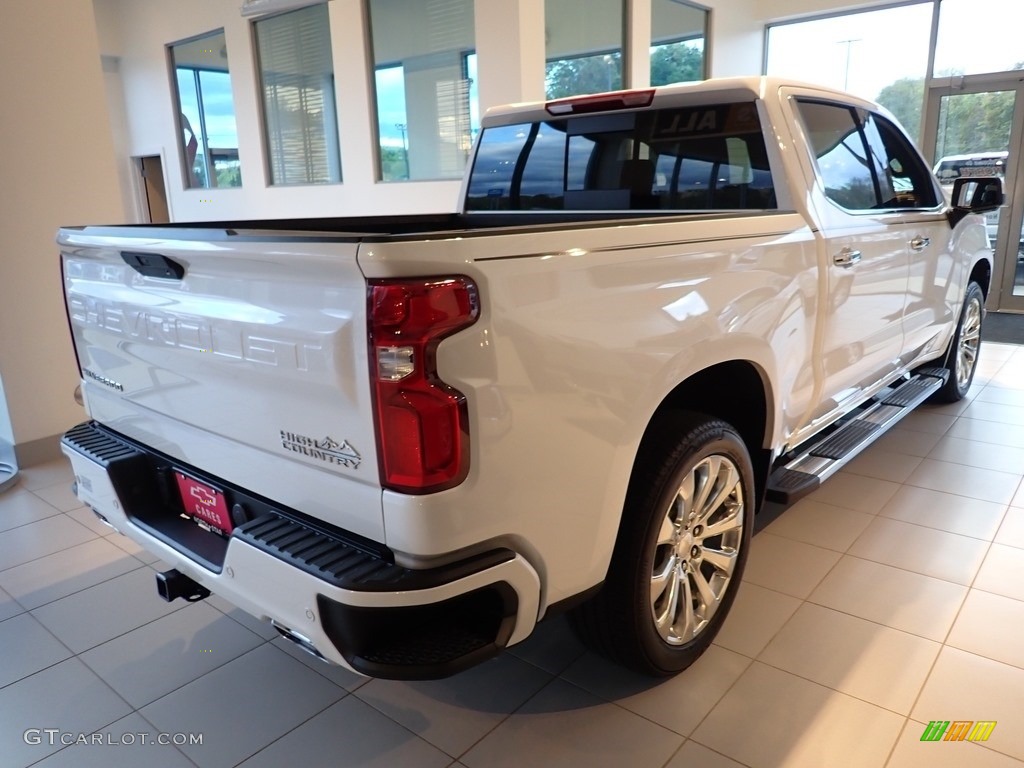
x=678, y=31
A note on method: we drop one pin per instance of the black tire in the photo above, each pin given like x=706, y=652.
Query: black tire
x=658, y=531
x=962, y=356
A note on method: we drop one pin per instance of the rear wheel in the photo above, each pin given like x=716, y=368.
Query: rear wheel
x=962, y=358
x=681, y=549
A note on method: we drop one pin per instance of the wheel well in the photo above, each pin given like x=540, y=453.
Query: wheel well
x=982, y=275
x=733, y=392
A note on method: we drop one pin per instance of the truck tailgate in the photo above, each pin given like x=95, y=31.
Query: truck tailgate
x=251, y=364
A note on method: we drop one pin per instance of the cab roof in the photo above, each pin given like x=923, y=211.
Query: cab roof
x=713, y=91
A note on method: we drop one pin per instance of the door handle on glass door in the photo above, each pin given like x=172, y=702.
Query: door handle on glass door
x=846, y=258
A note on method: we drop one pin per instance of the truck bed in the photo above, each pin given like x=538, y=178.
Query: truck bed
x=421, y=226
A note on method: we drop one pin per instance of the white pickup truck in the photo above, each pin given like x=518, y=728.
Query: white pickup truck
x=407, y=440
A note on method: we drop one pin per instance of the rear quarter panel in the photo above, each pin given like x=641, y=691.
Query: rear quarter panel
x=582, y=334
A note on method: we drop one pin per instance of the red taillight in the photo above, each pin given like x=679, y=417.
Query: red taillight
x=422, y=423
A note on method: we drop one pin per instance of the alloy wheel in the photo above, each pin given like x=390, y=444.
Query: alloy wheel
x=697, y=549
x=970, y=341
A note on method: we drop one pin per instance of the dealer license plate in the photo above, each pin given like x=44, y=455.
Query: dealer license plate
x=203, y=502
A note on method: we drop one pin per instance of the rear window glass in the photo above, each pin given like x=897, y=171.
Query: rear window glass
x=694, y=158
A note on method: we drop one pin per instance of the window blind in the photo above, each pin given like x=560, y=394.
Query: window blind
x=297, y=81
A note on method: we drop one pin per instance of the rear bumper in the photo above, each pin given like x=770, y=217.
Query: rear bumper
x=335, y=594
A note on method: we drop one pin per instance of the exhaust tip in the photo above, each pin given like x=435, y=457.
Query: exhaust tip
x=300, y=641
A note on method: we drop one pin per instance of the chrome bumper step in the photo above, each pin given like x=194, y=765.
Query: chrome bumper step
x=816, y=462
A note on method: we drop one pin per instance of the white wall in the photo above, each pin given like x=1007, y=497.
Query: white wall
x=510, y=52
x=57, y=167
x=736, y=42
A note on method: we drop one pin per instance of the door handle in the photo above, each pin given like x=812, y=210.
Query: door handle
x=154, y=265
x=919, y=243
x=846, y=258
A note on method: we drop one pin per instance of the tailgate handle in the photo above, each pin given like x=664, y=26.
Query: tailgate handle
x=153, y=265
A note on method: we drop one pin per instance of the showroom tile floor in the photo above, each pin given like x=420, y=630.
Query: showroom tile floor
x=891, y=597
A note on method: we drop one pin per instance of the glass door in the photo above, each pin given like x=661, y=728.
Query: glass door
x=976, y=130
x=8, y=462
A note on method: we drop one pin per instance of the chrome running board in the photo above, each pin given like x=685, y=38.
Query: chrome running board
x=815, y=462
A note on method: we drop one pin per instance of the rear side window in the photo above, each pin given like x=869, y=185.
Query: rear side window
x=864, y=161
x=694, y=158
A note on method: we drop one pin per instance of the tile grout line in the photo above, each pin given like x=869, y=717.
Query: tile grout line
x=896, y=743
x=345, y=694
x=168, y=693
x=844, y=693
x=77, y=591
x=93, y=534
x=458, y=758
x=944, y=645
x=122, y=634
x=74, y=656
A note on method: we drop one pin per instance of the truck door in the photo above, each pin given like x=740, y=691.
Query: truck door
x=864, y=236
x=935, y=282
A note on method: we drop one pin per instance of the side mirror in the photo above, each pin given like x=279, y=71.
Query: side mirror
x=975, y=196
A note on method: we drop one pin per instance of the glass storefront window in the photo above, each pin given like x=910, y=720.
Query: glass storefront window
x=584, y=46
x=206, y=113
x=678, y=31
x=842, y=52
x=297, y=83
x=979, y=37
x=973, y=140
x=425, y=83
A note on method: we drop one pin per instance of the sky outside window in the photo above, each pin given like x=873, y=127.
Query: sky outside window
x=209, y=137
x=879, y=55
x=861, y=52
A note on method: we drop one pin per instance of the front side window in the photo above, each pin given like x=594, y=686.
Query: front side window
x=693, y=158
x=425, y=84
x=865, y=163
x=297, y=86
x=206, y=113
x=904, y=179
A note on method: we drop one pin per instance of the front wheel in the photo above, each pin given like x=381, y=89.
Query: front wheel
x=962, y=357
x=681, y=549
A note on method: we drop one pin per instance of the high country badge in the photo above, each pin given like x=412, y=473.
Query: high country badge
x=325, y=449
